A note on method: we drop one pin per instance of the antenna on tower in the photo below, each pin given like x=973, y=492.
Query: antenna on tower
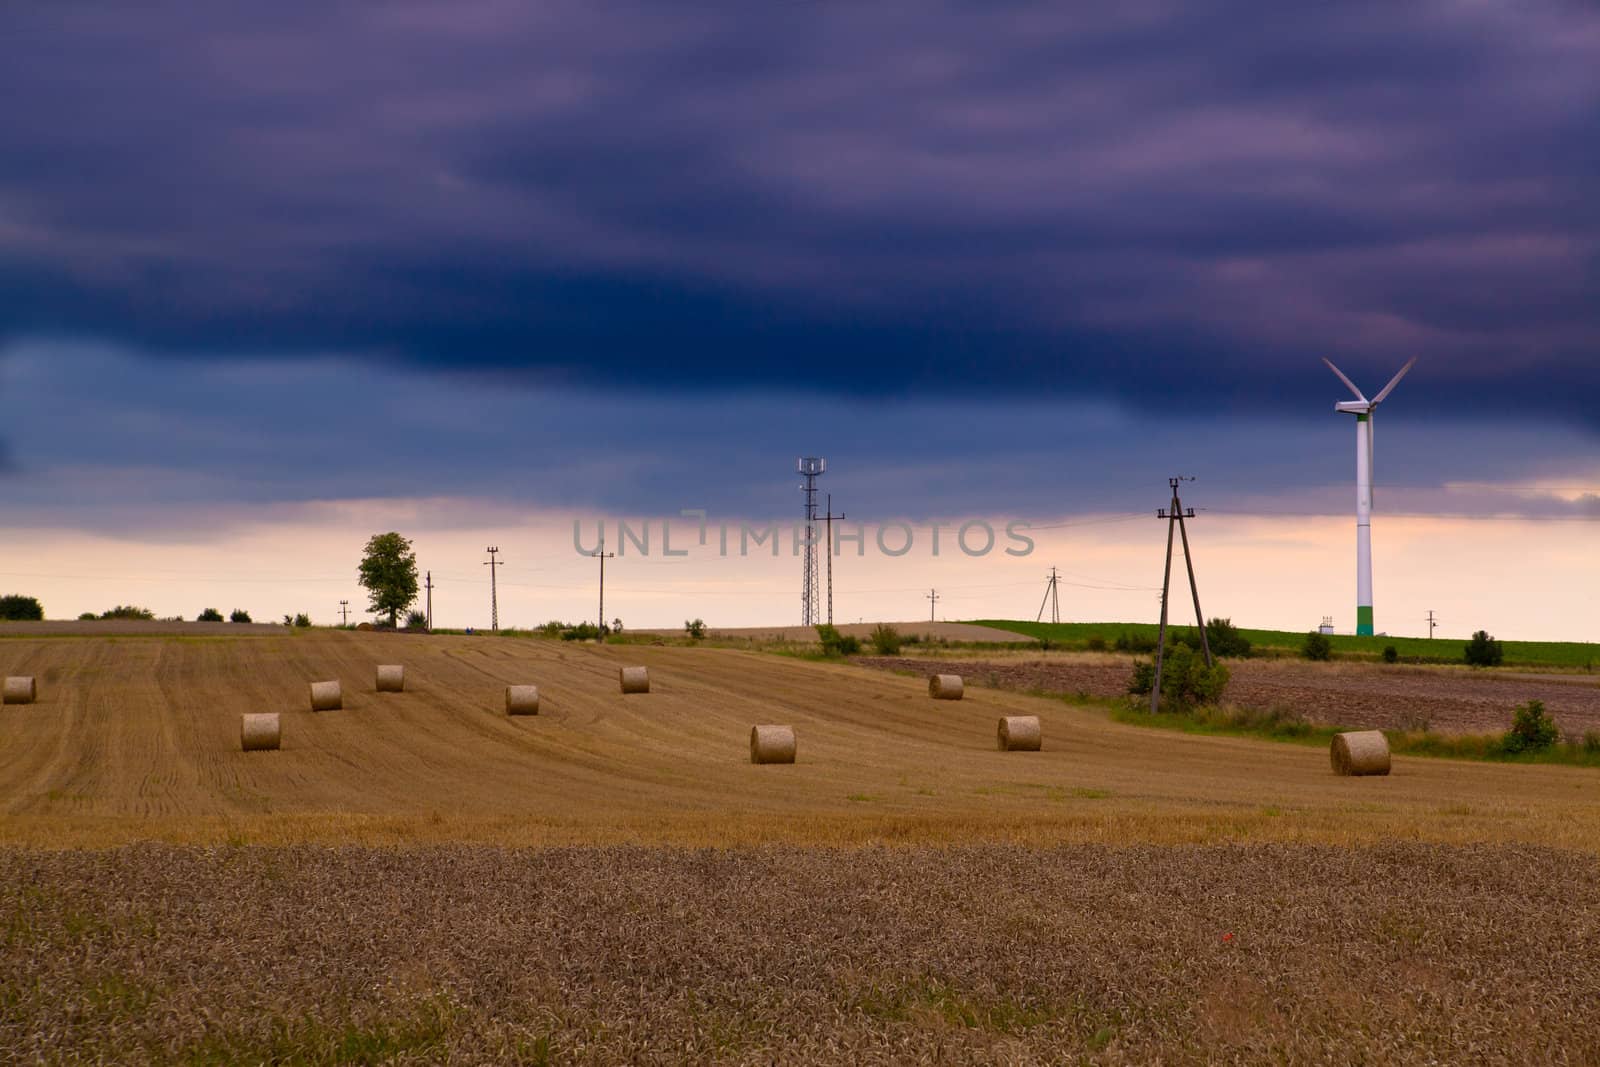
x=810, y=468
x=494, y=599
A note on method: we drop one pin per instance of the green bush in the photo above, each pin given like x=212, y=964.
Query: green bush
x=885, y=640
x=836, y=644
x=695, y=628
x=15, y=606
x=553, y=628
x=87, y=616
x=1591, y=742
x=238, y=615
x=1225, y=639
x=1391, y=654
x=1097, y=643
x=584, y=631
x=1532, y=729
x=1186, y=681
x=1484, y=651
x=302, y=620
x=1317, y=646
x=1134, y=642
x=415, y=620
x=128, y=611
x=209, y=615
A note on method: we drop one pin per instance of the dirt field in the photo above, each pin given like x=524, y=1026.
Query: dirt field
x=135, y=739
x=1446, y=699
x=1264, y=954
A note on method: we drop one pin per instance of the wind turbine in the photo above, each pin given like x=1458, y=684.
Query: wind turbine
x=1363, y=409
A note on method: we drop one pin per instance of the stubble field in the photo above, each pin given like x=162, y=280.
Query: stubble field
x=903, y=893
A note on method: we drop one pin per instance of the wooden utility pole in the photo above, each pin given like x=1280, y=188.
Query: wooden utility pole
x=1175, y=514
x=604, y=555
x=429, y=587
x=344, y=612
x=829, y=517
x=933, y=599
x=1432, y=622
x=1052, y=598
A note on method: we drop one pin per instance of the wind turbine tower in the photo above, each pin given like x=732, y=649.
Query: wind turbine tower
x=1363, y=410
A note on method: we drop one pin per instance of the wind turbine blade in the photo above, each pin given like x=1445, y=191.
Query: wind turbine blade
x=1372, y=488
x=1394, y=381
x=1345, y=380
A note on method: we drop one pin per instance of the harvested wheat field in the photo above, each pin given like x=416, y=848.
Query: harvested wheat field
x=904, y=892
x=139, y=739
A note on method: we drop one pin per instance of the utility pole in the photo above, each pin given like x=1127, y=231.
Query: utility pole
x=344, y=612
x=933, y=599
x=1175, y=514
x=829, y=517
x=429, y=587
x=604, y=555
x=1432, y=622
x=1051, y=598
x=494, y=599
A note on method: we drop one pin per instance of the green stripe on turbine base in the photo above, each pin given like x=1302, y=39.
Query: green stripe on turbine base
x=1364, y=621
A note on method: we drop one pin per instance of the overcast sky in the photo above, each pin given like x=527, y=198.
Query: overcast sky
x=1022, y=260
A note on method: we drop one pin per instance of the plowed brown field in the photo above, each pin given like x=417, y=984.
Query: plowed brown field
x=137, y=739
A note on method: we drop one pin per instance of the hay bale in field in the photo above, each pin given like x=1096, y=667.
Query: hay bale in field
x=634, y=679
x=391, y=678
x=260, y=732
x=1019, y=733
x=20, y=689
x=945, y=687
x=772, y=744
x=1360, y=752
x=522, y=700
x=326, y=696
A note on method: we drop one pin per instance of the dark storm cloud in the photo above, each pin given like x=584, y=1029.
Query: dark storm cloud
x=1161, y=204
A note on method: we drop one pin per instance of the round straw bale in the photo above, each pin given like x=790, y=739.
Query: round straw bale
x=391, y=678
x=260, y=732
x=772, y=744
x=635, y=679
x=20, y=690
x=1360, y=752
x=945, y=687
x=1019, y=733
x=522, y=700
x=326, y=696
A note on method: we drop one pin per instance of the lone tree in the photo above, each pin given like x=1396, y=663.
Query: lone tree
x=389, y=575
x=23, y=608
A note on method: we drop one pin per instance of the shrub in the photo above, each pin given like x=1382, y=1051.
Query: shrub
x=1591, y=742
x=1317, y=646
x=1136, y=642
x=584, y=631
x=885, y=640
x=87, y=616
x=836, y=644
x=416, y=620
x=302, y=620
x=1531, y=729
x=1186, y=681
x=128, y=611
x=1391, y=654
x=209, y=615
x=695, y=628
x=1225, y=639
x=22, y=608
x=552, y=628
x=238, y=615
x=1097, y=644
x=1484, y=651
